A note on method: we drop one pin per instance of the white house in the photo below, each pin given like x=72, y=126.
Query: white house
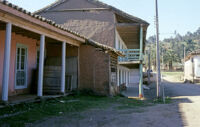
x=192, y=67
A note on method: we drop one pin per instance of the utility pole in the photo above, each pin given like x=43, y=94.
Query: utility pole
x=157, y=53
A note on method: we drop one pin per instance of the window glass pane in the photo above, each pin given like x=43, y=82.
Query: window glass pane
x=17, y=65
x=22, y=65
x=22, y=58
x=23, y=51
x=22, y=82
x=18, y=51
x=22, y=74
x=18, y=82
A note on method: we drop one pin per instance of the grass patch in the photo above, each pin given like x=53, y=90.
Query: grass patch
x=24, y=114
x=168, y=100
x=174, y=76
x=173, y=73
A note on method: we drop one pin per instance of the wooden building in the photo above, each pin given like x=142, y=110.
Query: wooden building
x=39, y=56
x=192, y=67
x=106, y=25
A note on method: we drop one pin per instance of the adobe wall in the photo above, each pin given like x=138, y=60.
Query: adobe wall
x=94, y=70
x=97, y=25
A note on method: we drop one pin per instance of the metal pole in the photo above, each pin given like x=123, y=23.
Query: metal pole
x=157, y=53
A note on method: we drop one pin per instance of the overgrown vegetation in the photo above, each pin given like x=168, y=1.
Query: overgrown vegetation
x=172, y=49
x=24, y=114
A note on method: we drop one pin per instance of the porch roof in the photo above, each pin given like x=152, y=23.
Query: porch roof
x=192, y=54
x=130, y=34
x=33, y=19
x=104, y=47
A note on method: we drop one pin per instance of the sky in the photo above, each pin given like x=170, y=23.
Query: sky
x=174, y=15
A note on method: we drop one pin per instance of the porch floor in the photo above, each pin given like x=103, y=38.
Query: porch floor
x=28, y=98
x=21, y=99
x=132, y=92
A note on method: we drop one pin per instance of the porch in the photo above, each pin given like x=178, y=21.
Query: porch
x=27, y=47
x=132, y=56
x=131, y=42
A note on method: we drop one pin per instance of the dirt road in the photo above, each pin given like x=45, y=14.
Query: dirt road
x=187, y=98
x=184, y=111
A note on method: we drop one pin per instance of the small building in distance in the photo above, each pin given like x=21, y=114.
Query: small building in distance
x=192, y=67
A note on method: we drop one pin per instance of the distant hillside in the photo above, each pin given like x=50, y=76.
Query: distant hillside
x=172, y=48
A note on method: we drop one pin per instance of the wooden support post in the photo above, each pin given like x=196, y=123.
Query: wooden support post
x=121, y=77
x=79, y=81
x=141, y=63
x=149, y=67
x=6, y=64
x=41, y=66
x=126, y=78
x=118, y=76
x=63, y=67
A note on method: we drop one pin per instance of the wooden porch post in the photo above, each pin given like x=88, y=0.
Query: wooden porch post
x=41, y=66
x=118, y=76
x=126, y=78
x=141, y=63
x=63, y=67
x=6, y=64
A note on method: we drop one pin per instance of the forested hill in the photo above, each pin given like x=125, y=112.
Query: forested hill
x=172, y=48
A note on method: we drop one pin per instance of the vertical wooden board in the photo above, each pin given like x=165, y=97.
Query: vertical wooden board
x=72, y=69
x=134, y=77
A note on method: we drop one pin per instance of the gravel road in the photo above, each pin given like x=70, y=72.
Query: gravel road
x=183, y=111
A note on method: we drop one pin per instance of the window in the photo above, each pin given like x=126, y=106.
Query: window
x=21, y=67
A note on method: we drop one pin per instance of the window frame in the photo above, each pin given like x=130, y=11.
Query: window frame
x=19, y=45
